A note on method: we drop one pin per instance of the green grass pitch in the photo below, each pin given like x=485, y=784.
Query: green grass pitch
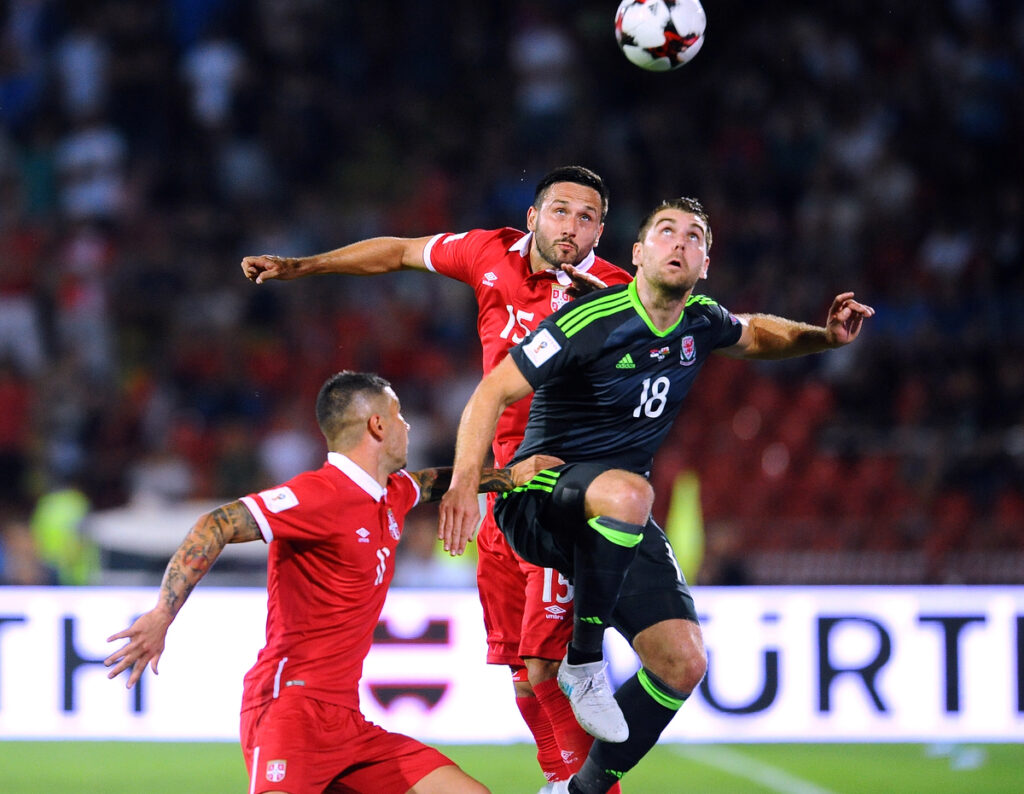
x=172, y=768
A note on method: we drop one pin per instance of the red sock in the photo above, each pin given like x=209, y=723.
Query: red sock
x=548, y=755
x=572, y=739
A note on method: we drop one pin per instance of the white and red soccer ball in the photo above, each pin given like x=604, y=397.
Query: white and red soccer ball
x=659, y=35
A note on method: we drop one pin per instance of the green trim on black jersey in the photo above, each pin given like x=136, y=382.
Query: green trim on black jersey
x=634, y=298
x=542, y=481
x=703, y=300
x=579, y=317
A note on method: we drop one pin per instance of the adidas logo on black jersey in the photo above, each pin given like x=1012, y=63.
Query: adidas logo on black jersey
x=626, y=362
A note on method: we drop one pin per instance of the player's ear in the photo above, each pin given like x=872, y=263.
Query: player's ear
x=375, y=426
x=638, y=247
x=531, y=219
x=704, y=270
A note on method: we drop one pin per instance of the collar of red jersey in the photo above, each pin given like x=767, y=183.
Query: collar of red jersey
x=522, y=247
x=357, y=474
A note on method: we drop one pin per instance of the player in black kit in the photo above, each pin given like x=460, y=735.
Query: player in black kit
x=610, y=372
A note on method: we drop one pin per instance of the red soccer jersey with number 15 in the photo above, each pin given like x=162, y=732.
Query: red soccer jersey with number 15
x=512, y=300
x=331, y=535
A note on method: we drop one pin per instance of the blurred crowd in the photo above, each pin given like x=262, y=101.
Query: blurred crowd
x=147, y=145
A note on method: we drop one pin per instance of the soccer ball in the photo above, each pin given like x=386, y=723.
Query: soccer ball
x=659, y=35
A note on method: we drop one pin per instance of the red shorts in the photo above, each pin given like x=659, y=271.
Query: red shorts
x=299, y=744
x=527, y=609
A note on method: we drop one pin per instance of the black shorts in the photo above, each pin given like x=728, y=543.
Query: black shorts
x=542, y=520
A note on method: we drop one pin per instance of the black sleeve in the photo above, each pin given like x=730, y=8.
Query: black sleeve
x=545, y=353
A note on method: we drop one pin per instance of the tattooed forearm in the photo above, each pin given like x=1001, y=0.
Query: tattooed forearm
x=231, y=523
x=496, y=481
x=434, y=483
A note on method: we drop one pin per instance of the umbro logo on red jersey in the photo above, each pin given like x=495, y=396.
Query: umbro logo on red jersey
x=555, y=612
x=489, y=279
x=364, y=534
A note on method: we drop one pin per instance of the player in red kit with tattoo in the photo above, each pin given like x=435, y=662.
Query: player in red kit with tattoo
x=331, y=536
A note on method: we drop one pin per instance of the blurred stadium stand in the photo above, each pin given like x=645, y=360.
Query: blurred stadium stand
x=147, y=145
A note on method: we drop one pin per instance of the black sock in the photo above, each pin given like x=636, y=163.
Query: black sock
x=602, y=557
x=648, y=704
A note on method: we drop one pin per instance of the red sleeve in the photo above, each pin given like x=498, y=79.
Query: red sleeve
x=610, y=274
x=459, y=255
x=403, y=492
x=296, y=509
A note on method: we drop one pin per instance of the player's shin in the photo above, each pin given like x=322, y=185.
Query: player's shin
x=602, y=557
x=648, y=705
x=549, y=752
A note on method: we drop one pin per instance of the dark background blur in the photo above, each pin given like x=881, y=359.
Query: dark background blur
x=146, y=146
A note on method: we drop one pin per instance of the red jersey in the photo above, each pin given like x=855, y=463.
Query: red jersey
x=331, y=535
x=511, y=300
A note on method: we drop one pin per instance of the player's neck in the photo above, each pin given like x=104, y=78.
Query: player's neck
x=538, y=263
x=663, y=307
x=369, y=460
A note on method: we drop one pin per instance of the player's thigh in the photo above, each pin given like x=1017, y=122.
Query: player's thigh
x=543, y=520
x=282, y=741
x=654, y=589
x=389, y=763
x=547, y=613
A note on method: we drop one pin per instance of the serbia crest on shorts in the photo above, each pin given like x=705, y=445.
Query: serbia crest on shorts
x=276, y=770
x=687, y=351
x=559, y=297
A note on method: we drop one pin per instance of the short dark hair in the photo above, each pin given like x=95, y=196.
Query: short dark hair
x=684, y=204
x=576, y=174
x=337, y=394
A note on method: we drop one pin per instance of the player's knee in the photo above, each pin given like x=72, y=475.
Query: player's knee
x=541, y=670
x=620, y=494
x=684, y=669
x=674, y=651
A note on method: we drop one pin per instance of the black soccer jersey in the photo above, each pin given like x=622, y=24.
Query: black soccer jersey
x=608, y=385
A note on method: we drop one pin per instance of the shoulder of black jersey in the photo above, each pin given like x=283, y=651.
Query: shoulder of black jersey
x=703, y=304
x=582, y=312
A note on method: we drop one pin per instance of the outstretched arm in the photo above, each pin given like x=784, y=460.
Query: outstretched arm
x=365, y=258
x=434, y=483
x=230, y=523
x=768, y=337
x=459, y=512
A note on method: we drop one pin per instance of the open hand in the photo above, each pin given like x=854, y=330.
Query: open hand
x=582, y=283
x=267, y=266
x=145, y=645
x=845, y=318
